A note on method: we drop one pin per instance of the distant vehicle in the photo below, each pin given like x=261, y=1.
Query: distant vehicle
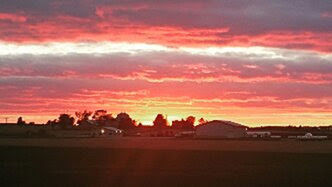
x=309, y=136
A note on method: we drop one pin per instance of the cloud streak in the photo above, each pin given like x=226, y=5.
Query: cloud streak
x=157, y=63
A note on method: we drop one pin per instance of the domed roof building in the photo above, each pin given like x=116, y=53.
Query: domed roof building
x=221, y=129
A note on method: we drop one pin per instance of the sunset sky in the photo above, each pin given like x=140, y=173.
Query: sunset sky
x=255, y=62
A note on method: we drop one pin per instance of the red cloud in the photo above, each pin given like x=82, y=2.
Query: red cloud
x=12, y=17
x=190, y=23
x=75, y=29
x=179, y=66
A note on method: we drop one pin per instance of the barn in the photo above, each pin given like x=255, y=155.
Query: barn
x=221, y=129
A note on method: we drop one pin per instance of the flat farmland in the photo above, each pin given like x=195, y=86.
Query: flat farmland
x=164, y=162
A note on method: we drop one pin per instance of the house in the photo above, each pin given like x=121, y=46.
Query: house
x=221, y=129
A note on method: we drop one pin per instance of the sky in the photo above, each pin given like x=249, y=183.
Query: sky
x=255, y=62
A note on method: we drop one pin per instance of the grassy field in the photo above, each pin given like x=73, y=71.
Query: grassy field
x=165, y=162
x=294, y=146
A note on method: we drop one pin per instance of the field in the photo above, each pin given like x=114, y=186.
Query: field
x=164, y=162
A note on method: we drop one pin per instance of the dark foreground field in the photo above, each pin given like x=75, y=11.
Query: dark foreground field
x=66, y=166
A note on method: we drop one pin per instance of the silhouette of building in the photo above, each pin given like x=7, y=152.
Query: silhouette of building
x=221, y=129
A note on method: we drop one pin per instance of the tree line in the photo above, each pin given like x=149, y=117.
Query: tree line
x=122, y=120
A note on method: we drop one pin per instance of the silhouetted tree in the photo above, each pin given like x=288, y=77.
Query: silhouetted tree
x=83, y=116
x=177, y=123
x=140, y=125
x=49, y=123
x=160, y=121
x=190, y=121
x=20, y=121
x=66, y=121
x=202, y=121
x=102, y=117
x=125, y=122
x=184, y=124
x=54, y=123
x=99, y=114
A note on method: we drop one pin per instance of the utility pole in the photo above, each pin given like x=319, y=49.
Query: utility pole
x=6, y=119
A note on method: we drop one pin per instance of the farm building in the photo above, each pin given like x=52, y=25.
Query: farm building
x=221, y=129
